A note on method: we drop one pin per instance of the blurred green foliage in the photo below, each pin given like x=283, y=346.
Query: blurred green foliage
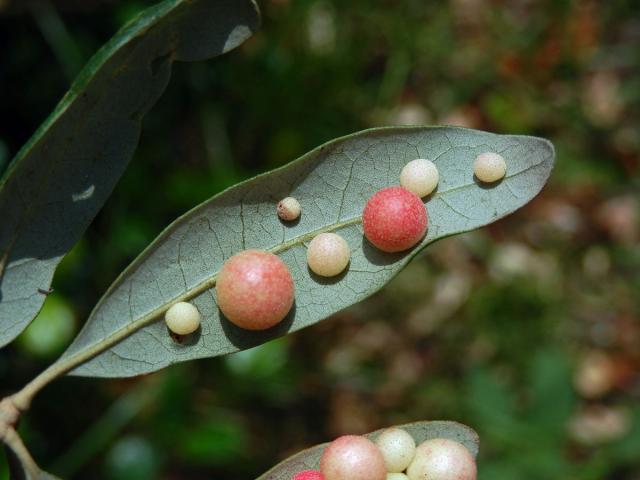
x=528, y=331
x=51, y=330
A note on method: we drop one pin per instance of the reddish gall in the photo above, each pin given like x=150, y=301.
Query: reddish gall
x=308, y=475
x=394, y=219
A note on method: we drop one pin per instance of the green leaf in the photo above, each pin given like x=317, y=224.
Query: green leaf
x=125, y=334
x=420, y=431
x=65, y=172
x=552, y=398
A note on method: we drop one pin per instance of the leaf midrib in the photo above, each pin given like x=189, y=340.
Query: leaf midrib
x=210, y=282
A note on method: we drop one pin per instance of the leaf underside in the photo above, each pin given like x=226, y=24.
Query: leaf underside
x=309, y=459
x=63, y=175
x=125, y=334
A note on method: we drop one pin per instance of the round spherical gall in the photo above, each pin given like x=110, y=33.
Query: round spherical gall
x=254, y=289
x=442, y=459
x=489, y=167
x=352, y=457
x=182, y=318
x=397, y=476
x=394, y=219
x=419, y=176
x=397, y=447
x=308, y=475
x=328, y=254
x=288, y=209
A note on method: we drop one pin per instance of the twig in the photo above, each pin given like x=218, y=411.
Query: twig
x=28, y=464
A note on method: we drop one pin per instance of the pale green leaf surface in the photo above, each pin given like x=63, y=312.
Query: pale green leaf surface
x=63, y=175
x=309, y=459
x=125, y=333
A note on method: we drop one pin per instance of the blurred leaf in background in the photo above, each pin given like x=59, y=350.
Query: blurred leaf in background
x=51, y=331
x=132, y=458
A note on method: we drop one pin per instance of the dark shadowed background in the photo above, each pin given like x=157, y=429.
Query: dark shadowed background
x=528, y=331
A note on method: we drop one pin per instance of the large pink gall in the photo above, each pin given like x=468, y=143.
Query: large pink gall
x=255, y=290
x=352, y=457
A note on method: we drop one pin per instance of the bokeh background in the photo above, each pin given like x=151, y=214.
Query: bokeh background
x=528, y=331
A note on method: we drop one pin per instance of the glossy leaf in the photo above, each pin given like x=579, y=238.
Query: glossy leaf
x=420, y=431
x=63, y=175
x=125, y=334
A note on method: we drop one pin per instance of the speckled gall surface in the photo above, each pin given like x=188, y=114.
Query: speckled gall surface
x=182, y=318
x=398, y=448
x=309, y=475
x=352, y=457
x=394, y=219
x=328, y=254
x=255, y=289
x=288, y=209
x=442, y=459
x=489, y=167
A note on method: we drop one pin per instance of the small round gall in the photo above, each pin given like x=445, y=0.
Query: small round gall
x=397, y=476
x=394, y=219
x=489, y=167
x=255, y=289
x=442, y=459
x=328, y=254
x=288, y=209
x=182, y=318
x=419, y=176
x=309, y=475
x=398, y=449
x=352, y=457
